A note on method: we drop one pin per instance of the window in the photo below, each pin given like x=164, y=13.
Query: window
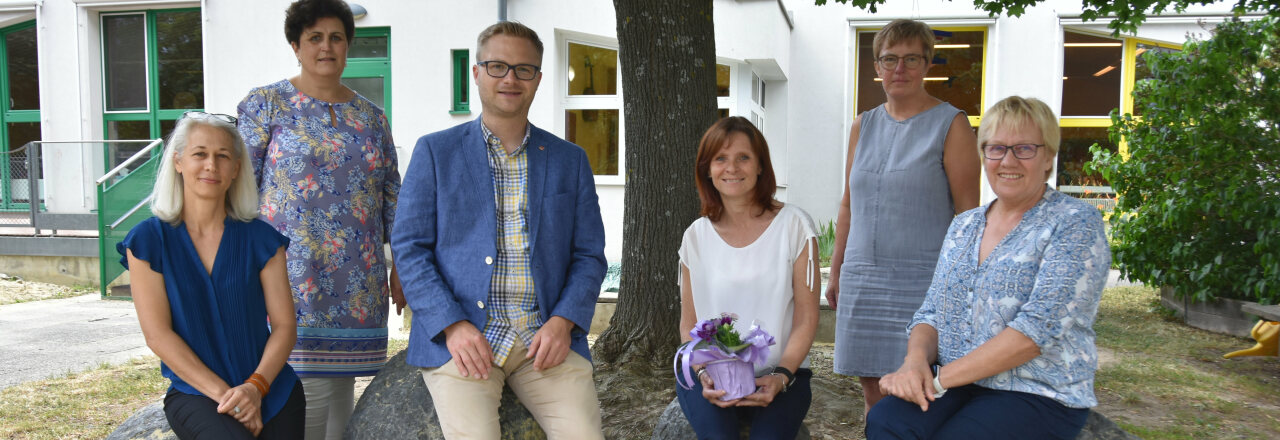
x=592, y=103
x=956, y=76
x=461, y=82
x=153, y=71
x=593, y=107
x=20, y=107
x=1098, y=75
x=368, y=69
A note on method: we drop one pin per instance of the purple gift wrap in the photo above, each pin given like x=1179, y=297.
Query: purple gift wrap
x=730, y=359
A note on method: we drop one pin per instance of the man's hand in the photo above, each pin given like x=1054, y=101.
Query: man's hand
x=913, y=382
x=470, y=350
x=550, y=344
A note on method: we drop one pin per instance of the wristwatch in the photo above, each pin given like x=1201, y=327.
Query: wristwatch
x=938, y=390
x=791, y=377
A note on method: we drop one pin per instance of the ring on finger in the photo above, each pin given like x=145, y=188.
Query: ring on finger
x=236, y=409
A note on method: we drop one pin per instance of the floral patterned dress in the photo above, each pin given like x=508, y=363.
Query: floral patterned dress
x=331, y=187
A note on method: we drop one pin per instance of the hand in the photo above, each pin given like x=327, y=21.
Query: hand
x=767, y=388
x=710, y=392
x=550, y=344
x=397, y=292
x=833, y=290
x=470, y=350
x=913, y=382
x=246, y=398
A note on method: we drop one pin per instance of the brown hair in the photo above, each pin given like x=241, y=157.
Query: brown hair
x=509, y=28
x=717, y=138
x=304, y=13
x=903, y=30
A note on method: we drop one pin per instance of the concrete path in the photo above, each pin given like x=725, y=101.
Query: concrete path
x=43, y=339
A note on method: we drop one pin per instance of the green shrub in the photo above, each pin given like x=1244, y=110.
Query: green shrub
x=1199, y=206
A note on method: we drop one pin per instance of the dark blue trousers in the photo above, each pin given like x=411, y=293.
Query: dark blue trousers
x=197, y=417
x=780, y=420
x=972, y=412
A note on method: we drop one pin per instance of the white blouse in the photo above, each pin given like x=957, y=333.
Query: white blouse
x=754, y=281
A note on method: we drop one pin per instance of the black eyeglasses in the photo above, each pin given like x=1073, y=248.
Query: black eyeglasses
x=203, y=115
x=1020, y=151
x=499, y=69
x=890, y=62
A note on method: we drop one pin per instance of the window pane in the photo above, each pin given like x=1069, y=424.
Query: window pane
x=592, y=70
x=461, y=80
x=1074, y=152
x=957, y=67
x=368, y=47
x=722, y=80
x=956, y=75
x=370, y=88
x=597, y=132
x=24, y=78
x=117, y=153
x=19, y=134
x=180, y=60
x=124, y=52
x=166, y=128
x=1090, y=75
x=1141, y=70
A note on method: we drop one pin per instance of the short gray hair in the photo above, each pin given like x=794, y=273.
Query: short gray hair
x=166, y=198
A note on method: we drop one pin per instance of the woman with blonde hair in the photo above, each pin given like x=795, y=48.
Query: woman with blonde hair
x=207, y=278
x=1003, y=346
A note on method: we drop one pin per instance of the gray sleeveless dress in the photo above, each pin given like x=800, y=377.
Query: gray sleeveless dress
x=900, y=206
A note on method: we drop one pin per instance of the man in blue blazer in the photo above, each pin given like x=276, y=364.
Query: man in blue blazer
x=500, y=247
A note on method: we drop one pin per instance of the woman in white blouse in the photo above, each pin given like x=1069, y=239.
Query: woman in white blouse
x=754, y=257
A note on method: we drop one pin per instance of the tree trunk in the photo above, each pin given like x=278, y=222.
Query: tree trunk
x=668, y=56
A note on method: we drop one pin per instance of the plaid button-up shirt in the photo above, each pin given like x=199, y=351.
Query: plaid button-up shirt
x=513, y=306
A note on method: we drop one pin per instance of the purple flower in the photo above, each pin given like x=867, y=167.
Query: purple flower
x=705, y=330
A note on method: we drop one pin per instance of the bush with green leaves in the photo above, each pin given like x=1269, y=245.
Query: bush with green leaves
x=1199, y=205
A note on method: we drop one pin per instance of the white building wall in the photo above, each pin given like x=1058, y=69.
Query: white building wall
x=808, y=61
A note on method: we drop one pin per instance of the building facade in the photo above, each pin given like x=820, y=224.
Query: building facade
x=127, y=69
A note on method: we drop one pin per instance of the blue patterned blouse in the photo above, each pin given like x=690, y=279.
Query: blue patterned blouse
x=330, y=185
x=1044, y=279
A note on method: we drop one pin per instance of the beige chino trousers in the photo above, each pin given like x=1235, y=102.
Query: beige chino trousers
x=562, y=398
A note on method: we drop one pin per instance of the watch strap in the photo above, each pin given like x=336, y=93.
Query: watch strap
x=938, y=390
x=791, y=377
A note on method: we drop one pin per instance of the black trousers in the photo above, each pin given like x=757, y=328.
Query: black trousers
x=197, y=417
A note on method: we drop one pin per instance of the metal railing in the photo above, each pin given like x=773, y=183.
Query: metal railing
x=21, y=176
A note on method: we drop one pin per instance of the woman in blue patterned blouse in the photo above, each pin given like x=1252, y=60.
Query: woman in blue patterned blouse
x=1003, y=346
x=326, y=166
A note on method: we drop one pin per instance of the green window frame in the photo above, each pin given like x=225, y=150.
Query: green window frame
x=378, y=66
x=160, y=120
x=9, y=115
x=461, y=82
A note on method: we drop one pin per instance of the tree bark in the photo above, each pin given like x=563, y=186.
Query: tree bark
x=667, y=53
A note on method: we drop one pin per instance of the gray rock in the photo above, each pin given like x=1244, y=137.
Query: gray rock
x=1099, y=427
x=148, y=423
x=673, y=426
x=397, y=405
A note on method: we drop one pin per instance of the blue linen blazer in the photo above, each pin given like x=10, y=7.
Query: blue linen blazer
x=445, y=236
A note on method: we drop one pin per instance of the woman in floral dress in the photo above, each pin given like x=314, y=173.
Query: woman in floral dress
x=326, y=169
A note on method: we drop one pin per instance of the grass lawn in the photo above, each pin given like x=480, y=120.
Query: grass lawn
x=1159, y=380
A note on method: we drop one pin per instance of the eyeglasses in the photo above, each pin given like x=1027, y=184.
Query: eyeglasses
x=890, y=62
x=499, y=69
x=203, y=115
x=1020, y=151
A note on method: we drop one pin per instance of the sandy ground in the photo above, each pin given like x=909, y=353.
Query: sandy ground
x=14, y=289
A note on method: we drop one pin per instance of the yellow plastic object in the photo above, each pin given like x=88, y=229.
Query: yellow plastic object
x=1267, y=333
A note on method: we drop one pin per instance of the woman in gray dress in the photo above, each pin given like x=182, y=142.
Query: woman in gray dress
x=911, y=168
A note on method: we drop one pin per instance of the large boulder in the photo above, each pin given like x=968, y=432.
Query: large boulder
x=148, y=423
x=397, y=405
x=673, y=426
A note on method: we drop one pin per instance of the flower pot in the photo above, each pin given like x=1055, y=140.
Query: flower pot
x=735, y=377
